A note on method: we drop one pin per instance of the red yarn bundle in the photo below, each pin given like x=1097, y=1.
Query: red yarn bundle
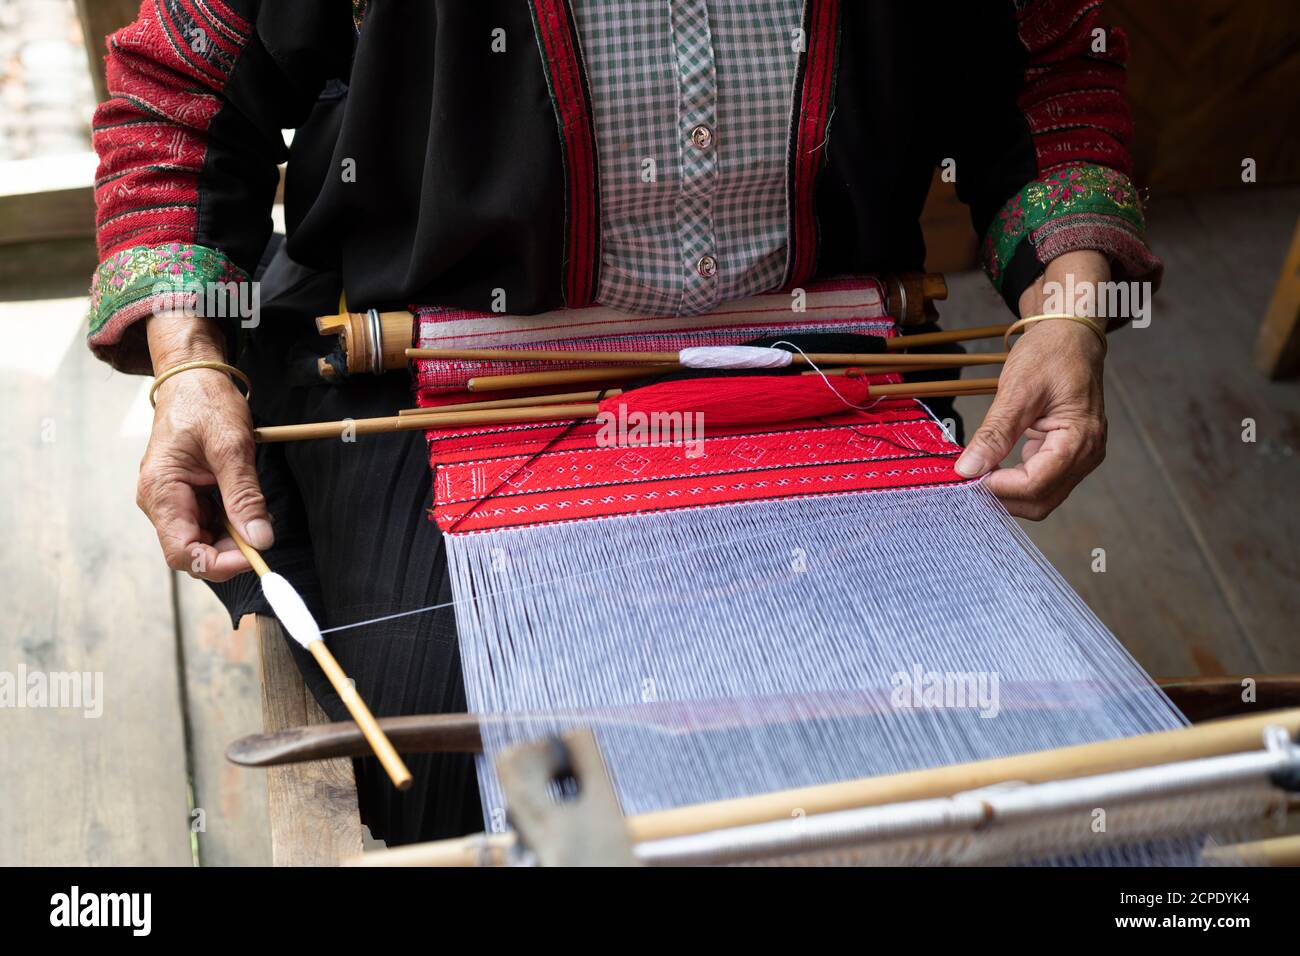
x=747, y=399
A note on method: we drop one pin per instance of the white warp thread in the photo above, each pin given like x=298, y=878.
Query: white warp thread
x=765, y=636
x=733, y=356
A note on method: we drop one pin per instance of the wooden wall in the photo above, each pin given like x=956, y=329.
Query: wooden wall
x=1212, y=82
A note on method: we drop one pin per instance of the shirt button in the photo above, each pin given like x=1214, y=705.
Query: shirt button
x=701, y=137
x=707, y=266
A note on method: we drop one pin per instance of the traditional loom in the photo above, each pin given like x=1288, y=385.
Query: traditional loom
x=799, y=637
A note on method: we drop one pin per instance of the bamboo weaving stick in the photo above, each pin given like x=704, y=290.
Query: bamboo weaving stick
x=397, y=423
x=479, y=849
x=574, y=376
x=900, y=343
x=541, y=413
x=596, y=395
x=563, y=398
x=884, y=364
x=961, y=386
x=489, y=383
x=383, y=748
x=864, y=359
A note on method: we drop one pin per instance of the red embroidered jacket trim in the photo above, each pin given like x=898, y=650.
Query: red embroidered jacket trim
x=815, y=100
x=558, y=41
x=165, y=73
x=1072, y=99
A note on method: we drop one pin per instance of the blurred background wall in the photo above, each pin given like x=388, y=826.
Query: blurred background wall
x=1210, y=82
x=46, y=94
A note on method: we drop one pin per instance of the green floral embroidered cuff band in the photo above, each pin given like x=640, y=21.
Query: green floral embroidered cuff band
x=134, y=283
x=1078, y=207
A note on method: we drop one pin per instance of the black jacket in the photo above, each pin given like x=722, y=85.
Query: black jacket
x=427, y=168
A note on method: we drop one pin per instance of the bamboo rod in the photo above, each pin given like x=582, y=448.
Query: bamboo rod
x=951, y=387
x=530, y=400
x=574, y=376
x=594, y=395
x=524, y=402
x=251, y=554
x=540, y=413
x=488, y=383
x=478, y=849
x=383, y=748
x=1211, y=739
x=544, y=355
x=903, y=342
x=1278, y=851
x=893, y=364
x=360, y=426
x=863, y=359
x=395, y=423
x=392, y=763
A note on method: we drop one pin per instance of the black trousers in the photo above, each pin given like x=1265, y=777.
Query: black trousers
x=352, y=533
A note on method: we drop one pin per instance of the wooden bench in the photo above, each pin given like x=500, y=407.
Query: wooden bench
x=313, y=806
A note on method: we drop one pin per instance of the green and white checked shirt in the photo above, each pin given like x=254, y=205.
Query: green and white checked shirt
x=692, y=103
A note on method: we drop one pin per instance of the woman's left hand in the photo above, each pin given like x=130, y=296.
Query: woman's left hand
x=1050, y=391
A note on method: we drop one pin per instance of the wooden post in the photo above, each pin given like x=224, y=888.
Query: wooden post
x=1277, y=351
x=98, y=19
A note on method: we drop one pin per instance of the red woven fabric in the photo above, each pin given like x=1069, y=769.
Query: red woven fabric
x=510, y=476
x=504, y=476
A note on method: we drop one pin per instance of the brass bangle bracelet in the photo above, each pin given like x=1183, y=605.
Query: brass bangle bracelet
x=186, y=366
x=1092, y=324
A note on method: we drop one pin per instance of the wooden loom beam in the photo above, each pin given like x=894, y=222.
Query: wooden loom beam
x=1217, y=738
x=910, y=296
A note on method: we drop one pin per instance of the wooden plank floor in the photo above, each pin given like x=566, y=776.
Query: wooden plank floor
x=1200, y=531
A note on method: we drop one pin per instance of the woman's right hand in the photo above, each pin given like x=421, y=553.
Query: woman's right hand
x=202, y=437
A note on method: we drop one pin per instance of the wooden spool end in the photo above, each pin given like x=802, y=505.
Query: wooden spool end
x=359, y=345
x=911, y=296
x=934, y=286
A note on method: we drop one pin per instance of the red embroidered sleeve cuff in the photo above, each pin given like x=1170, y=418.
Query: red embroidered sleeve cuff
x=133, y=284
x=1072, y=208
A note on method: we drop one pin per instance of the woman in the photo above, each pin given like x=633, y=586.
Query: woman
x=658, y=158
